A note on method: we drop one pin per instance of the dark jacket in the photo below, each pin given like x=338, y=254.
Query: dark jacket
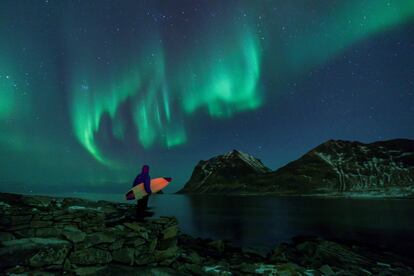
x=145, y=178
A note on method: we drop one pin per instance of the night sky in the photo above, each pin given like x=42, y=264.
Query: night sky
x=92, y=90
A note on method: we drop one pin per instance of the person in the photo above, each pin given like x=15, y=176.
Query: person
x=142, y=203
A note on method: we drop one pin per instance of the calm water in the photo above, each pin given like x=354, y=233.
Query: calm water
x=262, y=222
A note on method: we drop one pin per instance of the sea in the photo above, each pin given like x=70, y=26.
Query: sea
x=262, y=222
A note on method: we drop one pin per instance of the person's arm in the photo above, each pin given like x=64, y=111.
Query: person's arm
x=147, y=184
x=137, y=180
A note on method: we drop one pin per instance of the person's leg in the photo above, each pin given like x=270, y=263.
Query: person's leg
x=145, y=202
x=140, y=207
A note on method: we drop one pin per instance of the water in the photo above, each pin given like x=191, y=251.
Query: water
x=262, y=222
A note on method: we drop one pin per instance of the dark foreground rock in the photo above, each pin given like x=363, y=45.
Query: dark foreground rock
x=52, y=236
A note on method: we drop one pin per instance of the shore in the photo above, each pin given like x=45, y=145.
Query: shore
x=72, y=236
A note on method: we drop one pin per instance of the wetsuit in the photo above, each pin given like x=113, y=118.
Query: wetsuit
x=143, y=177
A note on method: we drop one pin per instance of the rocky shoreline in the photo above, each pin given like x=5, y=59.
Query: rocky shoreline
x=42, y=235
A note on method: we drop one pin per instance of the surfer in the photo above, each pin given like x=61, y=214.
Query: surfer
x=143, y=177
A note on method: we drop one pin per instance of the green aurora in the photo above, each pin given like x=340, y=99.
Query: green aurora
x=139, y=87
x=223, y=82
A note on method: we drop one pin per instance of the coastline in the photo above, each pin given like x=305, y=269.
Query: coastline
x=81, y=237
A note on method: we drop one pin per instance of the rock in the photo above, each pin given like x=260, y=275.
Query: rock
x=218, y=245
x=161, y=255
x=152, y=245
x=50, y=256
x=193, y=258
x=37, y=201
x=165, y=220
x=116, y=245
x=40, y=223
x=5, y=221
x=335, y=254
x=192, y=269
x=16, y=220
x=124, y=255
x=135, y=226
x=15, y=270
x=5, y=236
x=90, y=256
x=33, y=251
x=268, y=269
x=55, y=268
x=326, y=270
x=307, y=247
x=73, y=234
x=142, y=258
x=89, y=270
x=18, y=227
x=98, y=238
x=117, y=269
x=247, y=268
x=25, y=233
x=170, y=232
x=253, y=252
x=164, y=244
x=135, y=242
x=289, y=269
x=67, y=265
x=216, y=270
x=48, y=232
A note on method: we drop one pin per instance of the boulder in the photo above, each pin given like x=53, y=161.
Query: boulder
x=170, y=232
x=168, y=254
x=326, y=270
x=48, y=232
x=90, y=256
x=135, y=242
x=98, y=238
x=218, y=245
x=17, y=220
x=40, y=223
x=124, y=255
x=116, y=245
x=73, y=234
x=5, y=236
x=89, y=270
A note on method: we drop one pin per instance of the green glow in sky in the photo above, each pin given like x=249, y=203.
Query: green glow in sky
x=225, y=79
x=7, y=90
x=224, y=82
x=158, y=90
x=351, y=22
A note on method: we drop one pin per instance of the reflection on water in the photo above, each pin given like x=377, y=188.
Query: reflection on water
x=264, y=221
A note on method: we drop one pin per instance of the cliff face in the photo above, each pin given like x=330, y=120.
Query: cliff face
x=342, y=166
x=228, y=173
x=334, y=167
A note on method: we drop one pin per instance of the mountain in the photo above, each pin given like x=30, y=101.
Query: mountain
x=225, y=173
x=333, y=168
x=385, y=167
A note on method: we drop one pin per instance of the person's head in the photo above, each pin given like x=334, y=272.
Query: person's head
x=145, y=169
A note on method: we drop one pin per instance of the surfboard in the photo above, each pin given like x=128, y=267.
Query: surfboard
x=157, y=184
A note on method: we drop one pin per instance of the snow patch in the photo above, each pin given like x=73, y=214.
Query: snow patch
x=266, y=268
x=81, y=208
x=216, y=269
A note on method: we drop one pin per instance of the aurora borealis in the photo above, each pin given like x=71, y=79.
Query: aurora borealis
x=91, y=90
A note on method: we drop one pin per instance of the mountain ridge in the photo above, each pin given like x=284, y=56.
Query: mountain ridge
x=332, y=168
